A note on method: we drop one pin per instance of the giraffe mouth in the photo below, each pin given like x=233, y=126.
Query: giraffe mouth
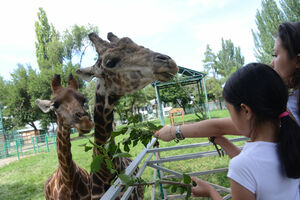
x=82, y=131
x=164, y=76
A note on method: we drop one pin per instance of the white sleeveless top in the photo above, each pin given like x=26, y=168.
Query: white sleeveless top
x=258, y=169
x=292, y=105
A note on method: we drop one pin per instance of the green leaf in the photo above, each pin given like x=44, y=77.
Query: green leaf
x=135, y=142
x=108, y=163
x=87, y=148
x=96, y=163
x=186, y=179
x=188, y=193
x=126, y=148
x=174, y=188
x=124, y=178
x=182, y=189
x=152, y=126
x=122, y=155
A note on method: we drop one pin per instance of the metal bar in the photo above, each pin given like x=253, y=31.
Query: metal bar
x=206, y=99
x=20, y=143
x=227, y=196
x=220, y=187
x=46, y=139
x=126, y=194
x=153, y=186
x=166, y=170
x=185, y=157
x=160, y=176
x=54, y=142
x=33, y=145
x=179, y=147
x=17, y=149
x=160, y=109
x=115, y=189
x=200, y=173
x=193, y=145
x=37, y=144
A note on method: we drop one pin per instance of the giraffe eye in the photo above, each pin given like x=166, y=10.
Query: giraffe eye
x=55, y=105
x=111, y=63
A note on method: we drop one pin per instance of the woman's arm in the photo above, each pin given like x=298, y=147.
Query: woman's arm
x=205, y=128
x=230, y=149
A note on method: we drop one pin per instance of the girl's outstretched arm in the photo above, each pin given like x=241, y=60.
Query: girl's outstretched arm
x=230, y=149
x=205, y=128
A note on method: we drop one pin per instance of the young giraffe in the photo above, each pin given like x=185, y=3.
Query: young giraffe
x=122, y=67
x=69, y=181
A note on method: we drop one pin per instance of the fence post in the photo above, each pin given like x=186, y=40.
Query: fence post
x=46, y=139
x=17, y=149
x=33, y=145
x=54, y=142
x=20, y=145
x=4, y=148
x=37, y=144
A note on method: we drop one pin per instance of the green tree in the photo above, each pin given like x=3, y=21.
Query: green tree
x=220, y=66
x=56, y=54
x=209, y=61
x=267, y=22
x=176, y=96
x=19, y=99
x=228, y=59
x=76, y=41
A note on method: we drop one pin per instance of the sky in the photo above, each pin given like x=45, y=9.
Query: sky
x=178, y=28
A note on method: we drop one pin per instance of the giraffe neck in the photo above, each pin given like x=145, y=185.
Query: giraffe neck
x=104, y=117
x=66, y=165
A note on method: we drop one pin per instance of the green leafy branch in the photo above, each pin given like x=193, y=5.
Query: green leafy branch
x=112, y=150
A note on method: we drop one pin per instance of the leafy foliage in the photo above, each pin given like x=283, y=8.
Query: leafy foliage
x=19, y=98
x=220, y=66
x=111, y=150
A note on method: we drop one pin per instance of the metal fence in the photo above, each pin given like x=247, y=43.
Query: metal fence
x=160, y=172
x=19, y=146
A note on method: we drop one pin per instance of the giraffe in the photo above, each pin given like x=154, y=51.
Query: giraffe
x=122, y=67
x=69, y=181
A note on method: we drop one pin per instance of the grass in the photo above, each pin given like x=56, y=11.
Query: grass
x=24, y=179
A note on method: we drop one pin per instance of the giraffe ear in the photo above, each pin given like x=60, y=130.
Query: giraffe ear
x=45, y=105
x=72, y=81
x=56, y=83
x=86, y=74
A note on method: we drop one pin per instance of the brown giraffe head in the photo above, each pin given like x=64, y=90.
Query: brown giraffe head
x=124, y=67
x=68, y=105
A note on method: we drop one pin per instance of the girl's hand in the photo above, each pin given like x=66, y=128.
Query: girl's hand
x=167, y=133
x=202, y=189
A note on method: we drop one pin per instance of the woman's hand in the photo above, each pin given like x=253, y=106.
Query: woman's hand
x=167, y=133
x=202, y=189
x=220, y=140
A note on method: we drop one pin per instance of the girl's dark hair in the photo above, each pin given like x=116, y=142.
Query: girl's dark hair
x=289, y=34
x=261, y=88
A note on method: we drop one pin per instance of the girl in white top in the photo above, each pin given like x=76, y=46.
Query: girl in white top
x=268, y=167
